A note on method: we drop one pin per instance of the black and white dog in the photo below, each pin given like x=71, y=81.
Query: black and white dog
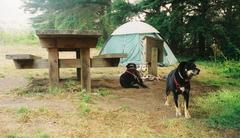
x=178, y=81
x=131, y=77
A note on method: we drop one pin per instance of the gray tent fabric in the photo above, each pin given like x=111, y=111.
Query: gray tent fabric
x=133, y=45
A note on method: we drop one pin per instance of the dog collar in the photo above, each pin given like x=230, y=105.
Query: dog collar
x=178, y=85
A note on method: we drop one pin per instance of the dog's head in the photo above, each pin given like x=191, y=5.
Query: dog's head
x=188, y=69
x=131, y=66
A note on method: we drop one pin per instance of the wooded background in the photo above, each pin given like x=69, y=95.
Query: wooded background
x=189, y=26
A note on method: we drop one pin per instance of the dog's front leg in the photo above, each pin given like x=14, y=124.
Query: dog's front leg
x=186, y=101
x=178, y=111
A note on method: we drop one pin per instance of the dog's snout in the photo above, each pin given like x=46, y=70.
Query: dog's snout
x=196, y=71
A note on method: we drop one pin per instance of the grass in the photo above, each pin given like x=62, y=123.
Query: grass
x=37, y=134
x=13, y=37
x=221, y=109
x=85, y=98
x=103, y=92
x=23, y=114
x=125, y=107
x=224, y=74
x=41, y=134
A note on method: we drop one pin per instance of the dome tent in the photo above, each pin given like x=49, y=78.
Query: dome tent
x=129, y=39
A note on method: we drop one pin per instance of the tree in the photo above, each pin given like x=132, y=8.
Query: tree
x=69, y=14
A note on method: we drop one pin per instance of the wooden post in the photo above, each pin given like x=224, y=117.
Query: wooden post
x=154, y=53
x=78, y=69
x=153, y=64
x=85, y=69
x=53, y=57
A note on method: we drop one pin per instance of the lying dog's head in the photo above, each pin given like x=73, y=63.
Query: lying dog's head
x=188, y=69
x=131, y=66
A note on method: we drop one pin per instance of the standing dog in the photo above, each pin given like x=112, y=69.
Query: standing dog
x=131, y=77
x=178, y=81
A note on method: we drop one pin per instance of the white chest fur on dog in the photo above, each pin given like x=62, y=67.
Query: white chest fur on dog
x=182, y=89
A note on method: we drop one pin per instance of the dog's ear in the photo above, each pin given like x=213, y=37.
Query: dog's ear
x=182, y=64
x=128, y=65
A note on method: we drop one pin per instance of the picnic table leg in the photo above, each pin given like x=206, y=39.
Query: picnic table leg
x=85, y=69
x=78, y=69
x=53, y=57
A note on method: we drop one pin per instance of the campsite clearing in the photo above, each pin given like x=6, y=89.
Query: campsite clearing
x=29, y=108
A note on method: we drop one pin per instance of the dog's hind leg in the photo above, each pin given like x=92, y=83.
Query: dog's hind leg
x=178, y=111
x=167, y=97
x=186, y=101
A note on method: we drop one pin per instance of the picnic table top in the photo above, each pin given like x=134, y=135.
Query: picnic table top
x=66, y=33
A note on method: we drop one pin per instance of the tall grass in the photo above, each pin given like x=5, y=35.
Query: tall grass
x=18, y=38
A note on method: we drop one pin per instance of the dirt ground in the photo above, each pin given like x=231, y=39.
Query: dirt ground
x=121, y=113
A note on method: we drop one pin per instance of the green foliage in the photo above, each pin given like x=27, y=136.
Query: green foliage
x=55, y=90
x=84, y=107
x=41, y=134
x=17, y=37
x=85, y=98
x=103, y=92
x=221, y=108
x=23, y=114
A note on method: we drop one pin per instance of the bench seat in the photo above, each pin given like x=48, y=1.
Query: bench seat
x=107, y=60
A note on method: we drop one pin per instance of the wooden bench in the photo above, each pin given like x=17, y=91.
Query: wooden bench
x=107, y=60
x=28, y=61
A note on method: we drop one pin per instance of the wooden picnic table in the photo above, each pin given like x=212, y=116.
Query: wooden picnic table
x=56, y=41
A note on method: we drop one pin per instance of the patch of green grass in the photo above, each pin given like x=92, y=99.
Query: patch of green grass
x=124, y=107
x=11, y=135
x=222, y=109
x=84, y=99
x=23, y=114
x=41, y=134
x=55, y=90
x=85, y=96
x=84, y=107
x=103, y=92
x=12, y=37
x=220, y=74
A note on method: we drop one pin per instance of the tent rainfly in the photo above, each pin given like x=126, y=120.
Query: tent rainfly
x=129, y=39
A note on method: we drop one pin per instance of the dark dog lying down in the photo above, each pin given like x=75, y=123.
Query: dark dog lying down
x=131, y=77
x=178, y=81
